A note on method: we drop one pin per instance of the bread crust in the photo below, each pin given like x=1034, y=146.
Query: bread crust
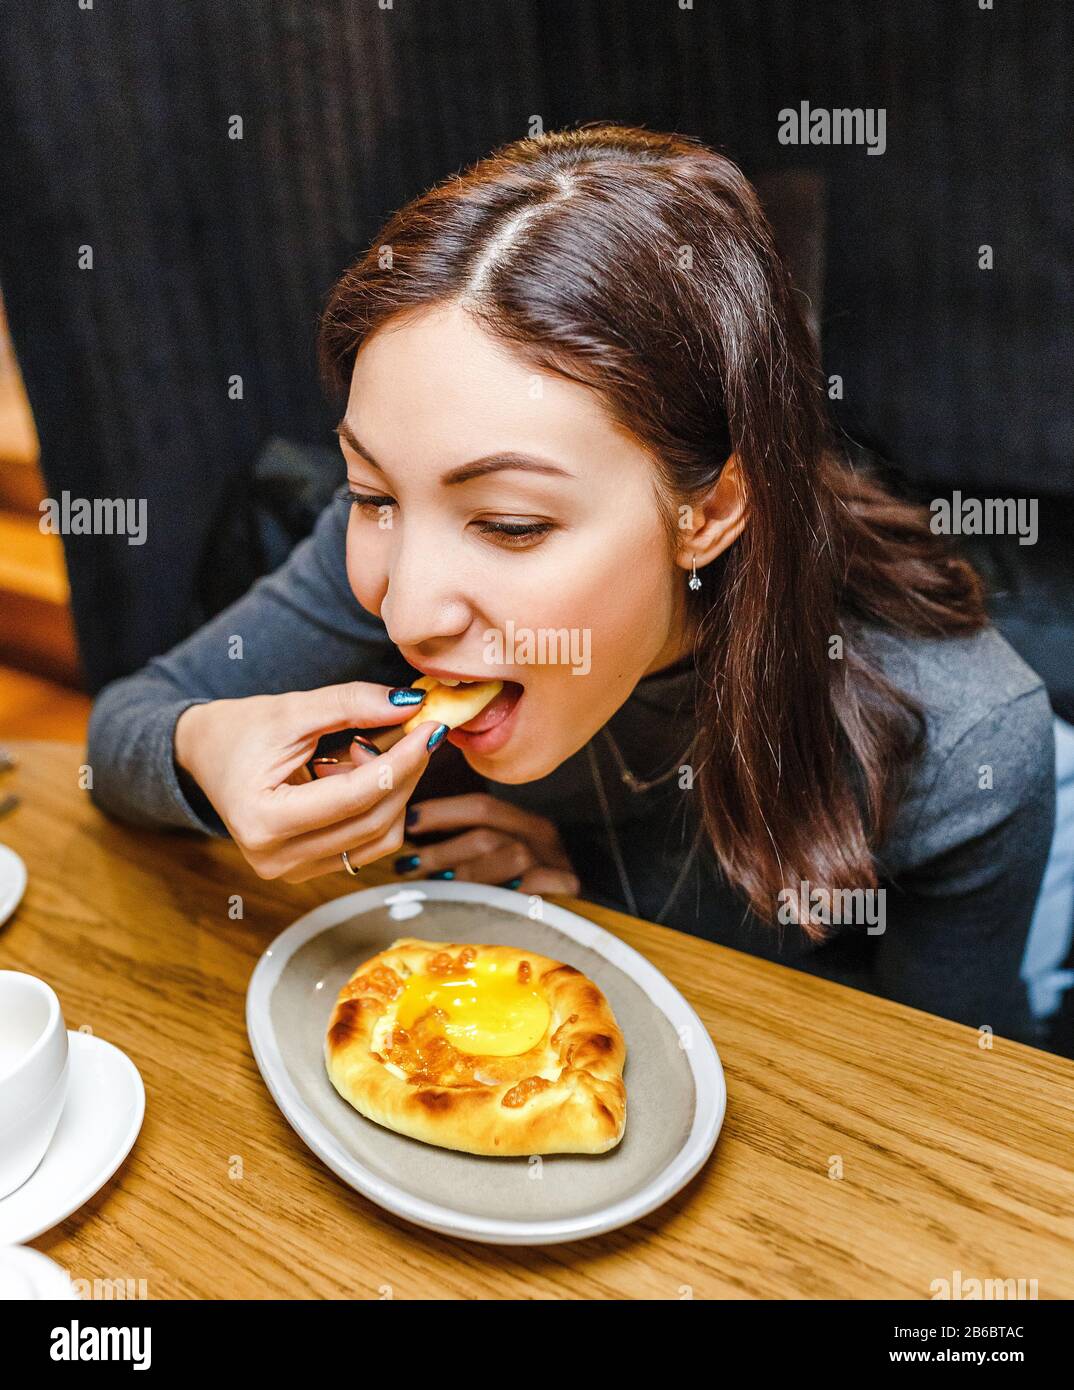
x=451, y=704
x=564, y=1095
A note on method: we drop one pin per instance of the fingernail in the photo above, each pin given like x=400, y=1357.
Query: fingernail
x=437, y=738
x=443, y=873
x=366, y=744
x=329, y=746
x=405, y=695
x=318, y=761
x=513, y=883
x=412, y=814
x=406, y=862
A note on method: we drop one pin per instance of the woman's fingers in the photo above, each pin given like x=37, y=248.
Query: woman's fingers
x=357, y=704
x=297, y=721
x=359, y=855
x=485, y=855
x=476, y=808
x=345, y=835
x=450, y=853
x=511, y=860
x=544, y=879
x=481, y=809
x=289, y=810
x=502, y=842
x=356, y=753
x=499, y=842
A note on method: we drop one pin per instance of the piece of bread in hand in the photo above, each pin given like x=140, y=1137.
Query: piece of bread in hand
x=445, y=704
x=451, y=704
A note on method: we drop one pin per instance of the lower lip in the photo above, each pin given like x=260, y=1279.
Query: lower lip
x=489, y=740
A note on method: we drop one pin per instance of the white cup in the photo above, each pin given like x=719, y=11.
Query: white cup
x=33, y=1074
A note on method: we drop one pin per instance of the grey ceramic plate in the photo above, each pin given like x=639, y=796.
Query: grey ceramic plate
x=676, y=1094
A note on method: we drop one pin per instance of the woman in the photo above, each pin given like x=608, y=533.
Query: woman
x=753, y=698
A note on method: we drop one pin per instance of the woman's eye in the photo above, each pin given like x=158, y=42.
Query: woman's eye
x=513, y=535
x=364, y=499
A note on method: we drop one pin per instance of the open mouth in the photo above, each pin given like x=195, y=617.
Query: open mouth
x=485, y=732
x=495, y=712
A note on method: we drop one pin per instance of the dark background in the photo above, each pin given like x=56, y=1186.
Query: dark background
x=213, y=256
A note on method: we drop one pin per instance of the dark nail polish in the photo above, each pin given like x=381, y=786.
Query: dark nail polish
x=437, y=738
x=333, y=744
x=444, y=873
x=405, y=695
x=412, y=814
x=366, y=744
x=512, y=883
x=406, y=862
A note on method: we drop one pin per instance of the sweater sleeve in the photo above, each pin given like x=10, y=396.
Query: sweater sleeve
x=957, y=921
x=296, y=629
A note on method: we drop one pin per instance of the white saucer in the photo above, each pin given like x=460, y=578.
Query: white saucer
x=27, y=1273
x=100, y=1122
x=12, y=882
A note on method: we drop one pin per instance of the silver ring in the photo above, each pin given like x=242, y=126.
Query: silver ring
x=347, y=864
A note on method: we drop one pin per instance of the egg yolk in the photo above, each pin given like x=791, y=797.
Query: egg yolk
x=489, y=1011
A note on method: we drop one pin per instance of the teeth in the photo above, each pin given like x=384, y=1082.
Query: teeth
x=444, y=681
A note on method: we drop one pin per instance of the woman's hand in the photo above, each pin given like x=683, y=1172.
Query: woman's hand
x=499, y=842
x=243, y=753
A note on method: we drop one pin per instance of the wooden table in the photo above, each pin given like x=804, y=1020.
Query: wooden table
x=952, y=1157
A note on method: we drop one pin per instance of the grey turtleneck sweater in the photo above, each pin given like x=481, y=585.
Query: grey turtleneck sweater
x=960, y=868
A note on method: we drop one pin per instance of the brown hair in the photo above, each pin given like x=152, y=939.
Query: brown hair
x=642, y=266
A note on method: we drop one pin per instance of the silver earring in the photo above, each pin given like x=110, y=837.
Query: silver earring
x=694, y=582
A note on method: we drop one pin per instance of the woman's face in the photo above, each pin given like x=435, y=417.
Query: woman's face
x=575, y=600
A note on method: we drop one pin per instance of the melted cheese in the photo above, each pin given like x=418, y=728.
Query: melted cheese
x=490, y=1013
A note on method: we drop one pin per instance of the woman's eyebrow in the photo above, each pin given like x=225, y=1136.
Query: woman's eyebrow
x=491, y=463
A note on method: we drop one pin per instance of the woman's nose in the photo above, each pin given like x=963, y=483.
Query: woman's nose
x=422, y=600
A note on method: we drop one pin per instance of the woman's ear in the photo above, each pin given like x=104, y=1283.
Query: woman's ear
x=716, y=520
